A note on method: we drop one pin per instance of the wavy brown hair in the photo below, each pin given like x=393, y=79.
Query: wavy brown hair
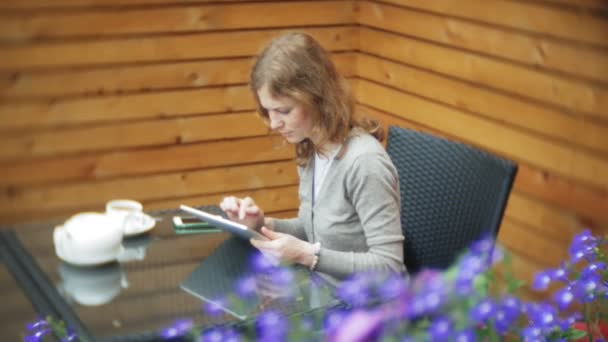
x=295, y=65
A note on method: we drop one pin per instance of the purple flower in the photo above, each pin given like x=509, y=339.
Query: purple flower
x=532, y=333
x=360, y=325
x=261, y=263
x=542, y=316
x=567, y=322
x=179, y=328
x=592, y=269
x=70, y=336
x=563, y=297
x=282, y=277
x=440, y=329
x=428, y=279
x=585, y=289
x=272, y=326
x=394, y=286
x=37, y=336
x=483, y=245
x=582, y=246
x=465, y=336
x=502, y=321
x=354, y=291
x=333, y=319
x=219, y=335
x=511, y=306
x=215, y=308
x=40, y=323
x=246, y=287
x=483, y=310
x=542, y=280
x=560, y=274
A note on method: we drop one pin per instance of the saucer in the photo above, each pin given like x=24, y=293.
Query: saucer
x=144, y=224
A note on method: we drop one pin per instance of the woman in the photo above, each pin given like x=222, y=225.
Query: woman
x=348, y=220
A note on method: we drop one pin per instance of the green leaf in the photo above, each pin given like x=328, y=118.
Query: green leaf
x=575, y=334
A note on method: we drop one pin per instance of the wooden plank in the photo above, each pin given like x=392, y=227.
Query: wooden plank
x=95, y=4
x=588, y=203
x=151, y=187
x=130, y=135
x=525, y=16
x=551, y=187
x=525, y=82
x=513, y=45
x=125, y=107
x=281, y=202
x=522, y=146
x=194, y=18
x=593, y=4
x=92, y=167
x=485, y=102
x=524, y=240
x=136, y=78
x=161, y=48
x=553, y=223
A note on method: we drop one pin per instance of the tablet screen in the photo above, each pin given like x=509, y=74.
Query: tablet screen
x=224, y=224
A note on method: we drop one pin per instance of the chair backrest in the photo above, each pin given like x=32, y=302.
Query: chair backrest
x=451, y=195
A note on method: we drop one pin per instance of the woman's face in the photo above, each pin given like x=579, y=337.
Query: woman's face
x=287, y=116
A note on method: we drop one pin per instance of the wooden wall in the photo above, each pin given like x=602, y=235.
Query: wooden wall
x=527, y=80
x=147, y=99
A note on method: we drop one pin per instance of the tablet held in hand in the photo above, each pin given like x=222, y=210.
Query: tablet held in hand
x=237, y=229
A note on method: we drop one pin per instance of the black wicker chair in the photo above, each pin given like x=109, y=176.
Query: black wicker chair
x=451, y=195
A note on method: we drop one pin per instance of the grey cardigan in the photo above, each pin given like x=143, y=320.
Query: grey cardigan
x=356, y=217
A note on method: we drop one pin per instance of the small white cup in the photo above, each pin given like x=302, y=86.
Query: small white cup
x=121, y=208
x=127, y=213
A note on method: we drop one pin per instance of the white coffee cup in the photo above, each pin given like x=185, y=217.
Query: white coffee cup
x=91, y=286
x=128, y=214
x=88, y=239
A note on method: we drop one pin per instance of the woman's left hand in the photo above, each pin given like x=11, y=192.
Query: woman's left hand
x=285, y=247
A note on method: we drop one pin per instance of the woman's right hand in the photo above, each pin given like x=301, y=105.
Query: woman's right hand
x=244, y=211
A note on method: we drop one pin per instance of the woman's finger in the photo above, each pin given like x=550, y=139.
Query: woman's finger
x=244, y=204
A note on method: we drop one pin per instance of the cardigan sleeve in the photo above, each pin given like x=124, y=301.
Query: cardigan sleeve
x=291, y=226
x=372, y=186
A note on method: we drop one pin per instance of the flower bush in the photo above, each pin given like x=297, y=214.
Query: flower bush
x=470, y=301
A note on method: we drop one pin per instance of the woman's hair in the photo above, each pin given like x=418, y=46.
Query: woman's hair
x=296, y=66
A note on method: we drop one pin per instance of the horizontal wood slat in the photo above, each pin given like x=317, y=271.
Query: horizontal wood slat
x=524, y=240
x=143, y=188
x=516, y=46
x=282, y=200
x=96, y=4
x=513, y=143
x=162, y=48
x=555, y=224
x=586, y=203
x=93, y=167
x=135, y=78
x=125, y=107
x=130, y=135
x=279, y=202
x=596, y=4
x=485, y=102
x=521, y=15
x=525, y=82
x=208, y=17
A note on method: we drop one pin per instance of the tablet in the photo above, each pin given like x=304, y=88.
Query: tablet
x=237, y=229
